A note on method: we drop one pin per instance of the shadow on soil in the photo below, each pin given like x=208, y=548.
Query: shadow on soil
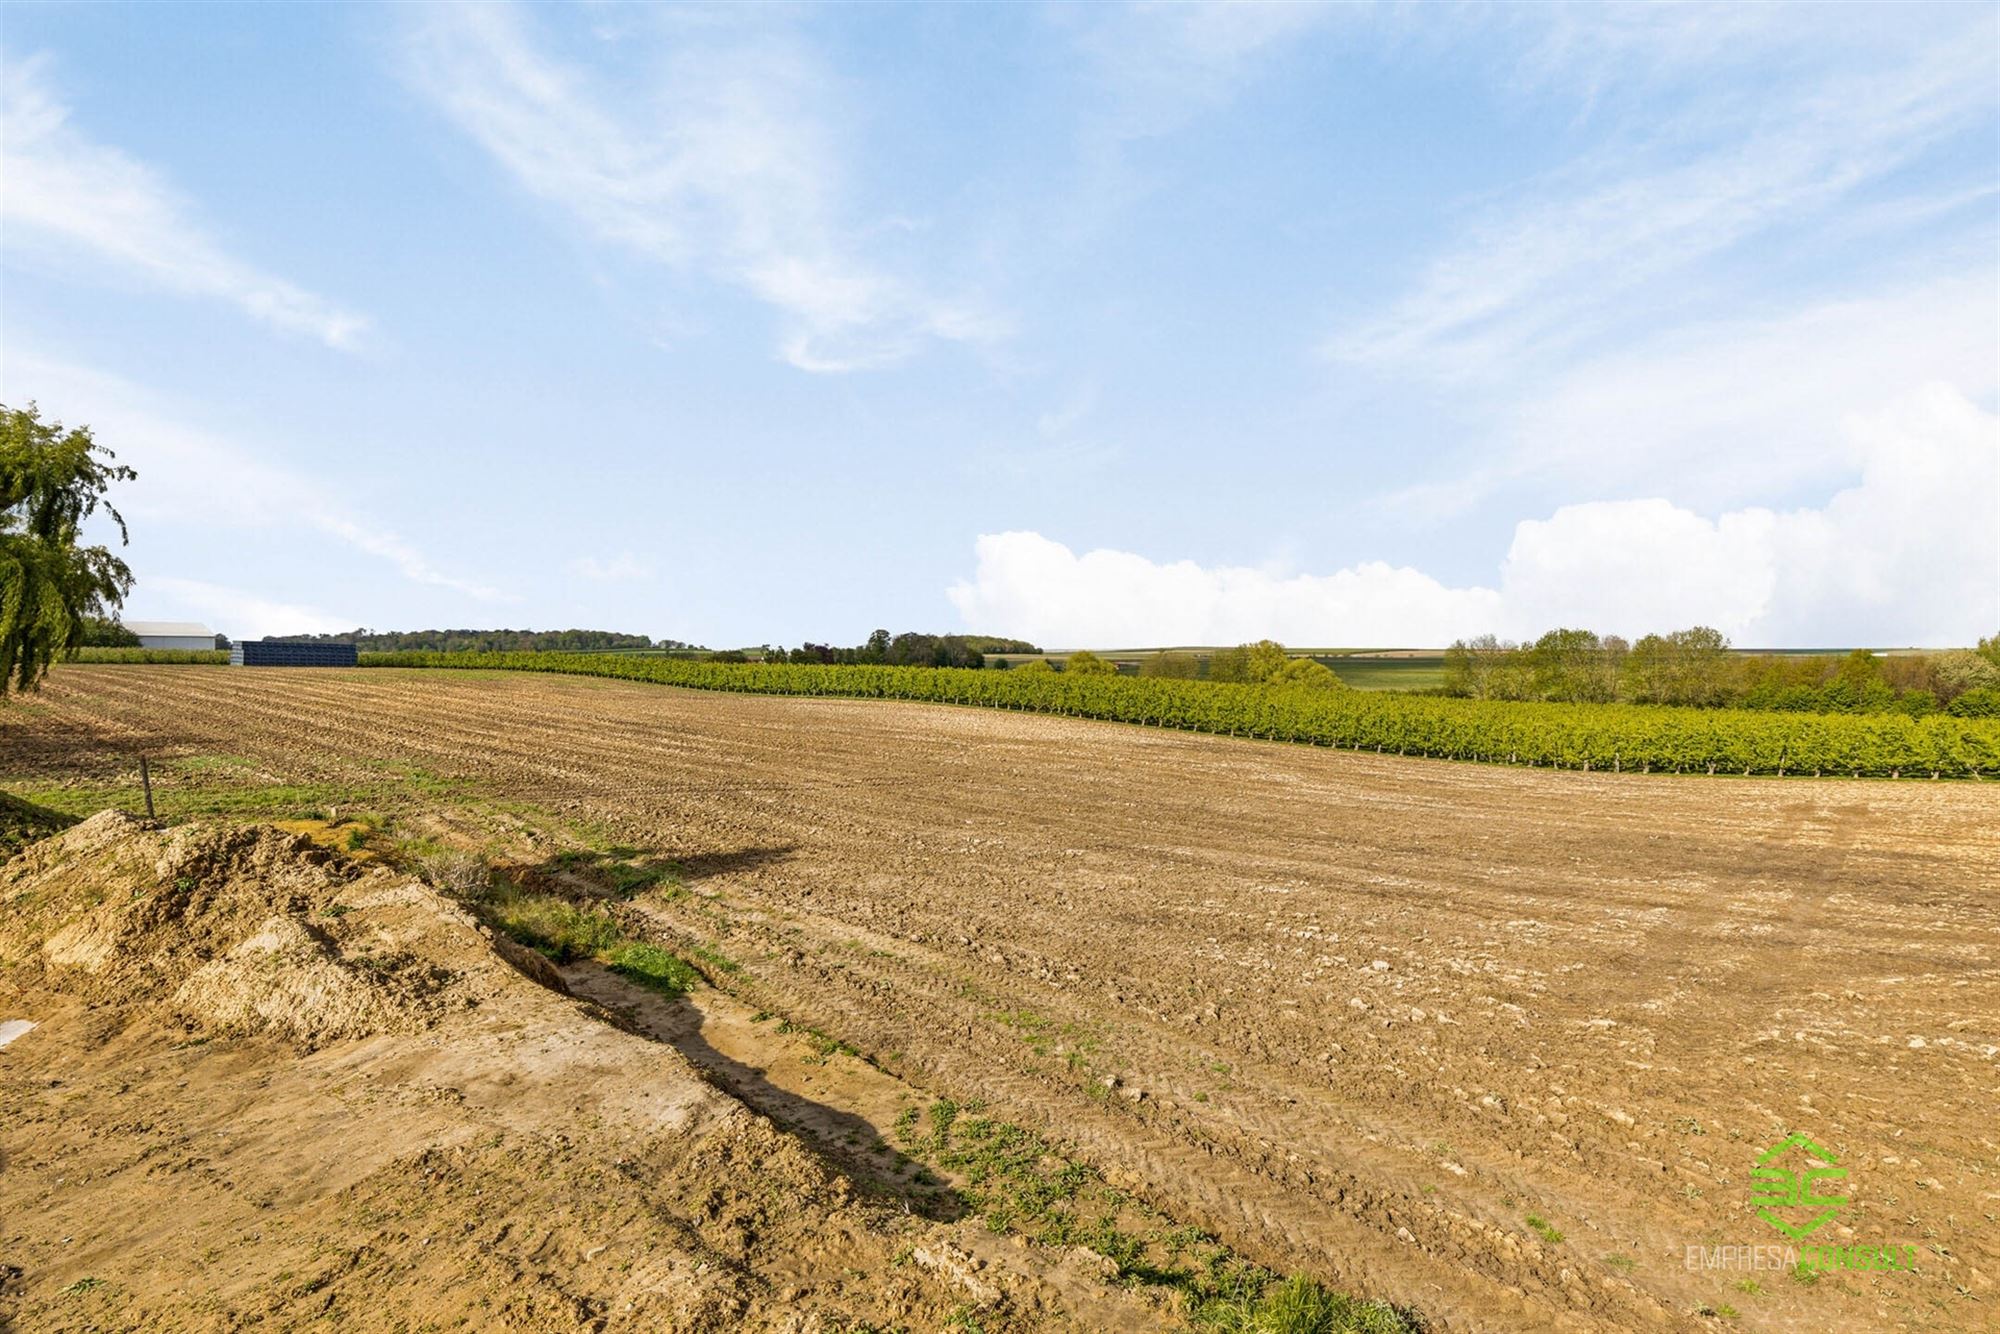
x=704, y=864
x=850, y=1142
x=23, y=822
x=622, y=872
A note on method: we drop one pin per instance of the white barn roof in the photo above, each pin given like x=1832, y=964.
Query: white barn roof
x=170, y=629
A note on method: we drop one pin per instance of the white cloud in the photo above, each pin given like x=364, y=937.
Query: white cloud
x=725, y=163
x=190, y=475
x=64, y=194
x=1910, y=554
x=1042, y=590
x=380, y=542
x=621, y=568
x=1603, y=50
x=1559, y=264
x=233, y=611
x=1163, y=63
x=1729, y=411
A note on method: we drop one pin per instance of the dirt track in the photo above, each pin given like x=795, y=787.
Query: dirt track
x=1365, y=1016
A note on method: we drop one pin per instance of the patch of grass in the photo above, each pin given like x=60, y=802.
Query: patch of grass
x=1019, y=1183
x=216, y=792
x=715, y=959
x=1749, y=1286
x=1544, y=1229
x=196, y=764
x=1425, y=673
x=567, y=933
x=651, y=966
x=1300, y=1305
x=1804, y=1275
x=964, y=1318
x=81, y=1286
x=555, y=926
x=25, y=822
x=622, y=871
x=1077, y=1042
x=824, y=1046
x=1617, y=1261
x=407, y=777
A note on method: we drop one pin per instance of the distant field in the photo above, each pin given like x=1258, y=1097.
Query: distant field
x=1371, y=673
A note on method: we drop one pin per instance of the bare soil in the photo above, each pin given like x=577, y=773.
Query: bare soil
x=1499, y=1045
x=266, y=1088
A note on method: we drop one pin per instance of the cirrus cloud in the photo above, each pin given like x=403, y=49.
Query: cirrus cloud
x=64, y=193
x=724, y=163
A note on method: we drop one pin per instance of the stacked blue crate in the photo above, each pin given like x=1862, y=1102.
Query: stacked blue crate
x=277, y=653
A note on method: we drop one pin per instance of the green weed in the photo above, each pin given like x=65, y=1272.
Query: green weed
x=567, y=933
x=1019, y=1183
x=651, y=966
x=1300, y=1305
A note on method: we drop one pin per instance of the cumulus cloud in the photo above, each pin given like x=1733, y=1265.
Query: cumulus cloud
x=1041, y=589
x=726, y=164
x=1908, y=554
x=68, y=195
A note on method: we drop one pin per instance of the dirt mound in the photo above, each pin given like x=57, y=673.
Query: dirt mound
x=236, y=931
x=260, y=1087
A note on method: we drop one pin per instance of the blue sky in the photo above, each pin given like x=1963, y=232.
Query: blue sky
x=1097, y=325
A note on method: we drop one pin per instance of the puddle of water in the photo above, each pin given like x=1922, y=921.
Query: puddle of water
x=14, y=1028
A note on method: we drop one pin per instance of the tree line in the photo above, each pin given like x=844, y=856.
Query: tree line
x=1696, y=668
x=909, y=649
x=489, y=641
x=1266, y=662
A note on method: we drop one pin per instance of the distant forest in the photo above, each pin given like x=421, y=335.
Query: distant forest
x=909, y=649
x=486, y=641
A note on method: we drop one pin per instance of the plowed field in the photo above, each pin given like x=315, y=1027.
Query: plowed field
x=1499, y=1045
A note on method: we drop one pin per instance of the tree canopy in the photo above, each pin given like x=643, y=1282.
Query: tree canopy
x=909, y=649
x=51, y=585
x=489, y=641
x=1085, y=663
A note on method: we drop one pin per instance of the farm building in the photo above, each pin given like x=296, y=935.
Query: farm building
x=277, y=653
x=172, y=634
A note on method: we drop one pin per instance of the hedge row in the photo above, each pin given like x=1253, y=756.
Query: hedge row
x=1619, y=737
x=198, y=656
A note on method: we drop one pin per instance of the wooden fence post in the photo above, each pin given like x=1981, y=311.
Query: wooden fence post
x=146, y=781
